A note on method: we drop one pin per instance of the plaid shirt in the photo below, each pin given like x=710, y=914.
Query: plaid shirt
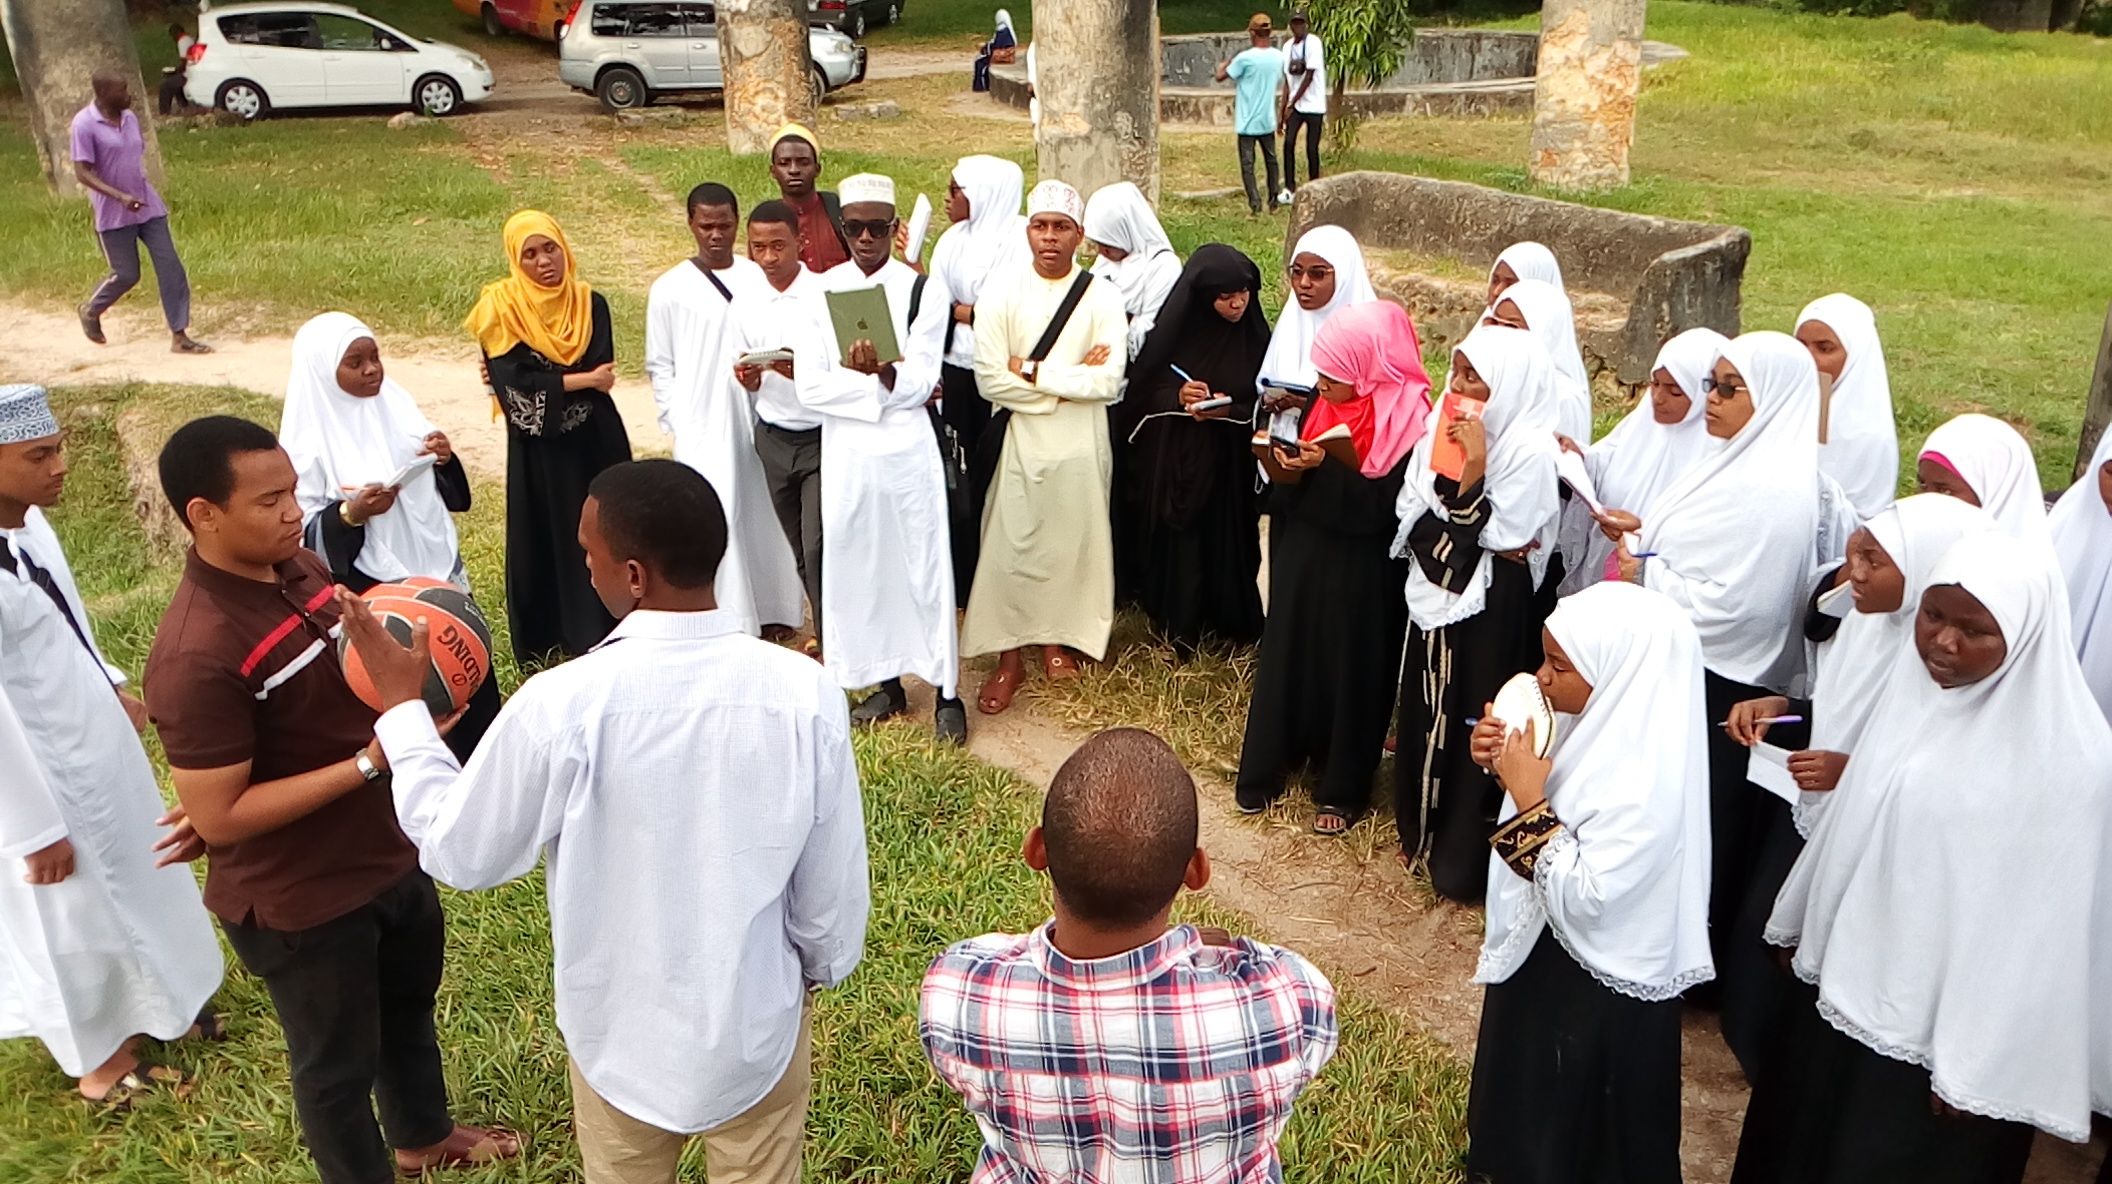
x=1174, y=1062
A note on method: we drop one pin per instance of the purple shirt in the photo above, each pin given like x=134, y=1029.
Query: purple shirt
x=118, y=154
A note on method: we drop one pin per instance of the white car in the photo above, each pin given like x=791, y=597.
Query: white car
x=630, y=52
x=251, y=58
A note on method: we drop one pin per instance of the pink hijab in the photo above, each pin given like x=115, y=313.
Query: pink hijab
x=1373, y=347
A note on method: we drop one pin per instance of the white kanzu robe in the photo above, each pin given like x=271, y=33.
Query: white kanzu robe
x=887, y=583
x=120, y=948
x=1047, y=574
x=691, y=340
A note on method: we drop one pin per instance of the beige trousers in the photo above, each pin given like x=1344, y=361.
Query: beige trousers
x=762, y=1146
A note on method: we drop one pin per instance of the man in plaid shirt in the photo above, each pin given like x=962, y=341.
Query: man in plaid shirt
x=1105, y=1047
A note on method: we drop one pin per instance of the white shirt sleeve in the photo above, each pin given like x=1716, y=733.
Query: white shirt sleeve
x=29, y=815
x=481, y=826
x=660, y=357
x=829, y=898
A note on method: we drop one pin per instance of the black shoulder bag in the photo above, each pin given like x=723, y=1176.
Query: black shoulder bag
x=991, y=447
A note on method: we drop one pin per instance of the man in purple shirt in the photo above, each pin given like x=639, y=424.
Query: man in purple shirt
x=110, y=162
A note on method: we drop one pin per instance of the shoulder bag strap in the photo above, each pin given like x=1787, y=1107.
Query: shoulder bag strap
x=1062, y=318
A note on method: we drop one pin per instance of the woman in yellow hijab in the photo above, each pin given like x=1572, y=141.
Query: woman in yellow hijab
x=551, y=353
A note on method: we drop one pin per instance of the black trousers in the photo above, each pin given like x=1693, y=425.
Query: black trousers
x=355, y=996
x=1311, y=123
x=1247, y=145
x=792, y=471
x=965, y=411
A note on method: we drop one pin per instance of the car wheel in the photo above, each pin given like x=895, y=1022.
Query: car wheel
x=437, y=95
x=817, y=85
x=856, y=25
x=894, y=13
x=243, y=99
x=621, y=89
x=492, y=27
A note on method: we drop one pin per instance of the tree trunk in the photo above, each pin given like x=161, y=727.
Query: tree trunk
x=57, y=45
x=2017, y=16
x=768, y=67
x=2097, y=411
x=1591, y=56
x=1097, y=75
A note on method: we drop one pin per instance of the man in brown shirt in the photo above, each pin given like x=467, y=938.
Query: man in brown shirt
x=277, y=771
x=795, y=164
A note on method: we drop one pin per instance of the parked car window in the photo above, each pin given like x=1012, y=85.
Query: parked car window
x=656, y=20
x=344, y=32
x=703, y=20
x=608, y=20
x=287, y=30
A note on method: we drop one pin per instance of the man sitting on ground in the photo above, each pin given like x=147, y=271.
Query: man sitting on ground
x=1215, y=1036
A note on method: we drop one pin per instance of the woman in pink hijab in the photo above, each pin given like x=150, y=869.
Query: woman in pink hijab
x=1331, y=647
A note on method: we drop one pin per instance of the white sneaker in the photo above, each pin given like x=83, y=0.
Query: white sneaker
x=1284, y=198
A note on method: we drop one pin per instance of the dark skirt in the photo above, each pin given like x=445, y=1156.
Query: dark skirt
x=1573, y=1083
x=1444, y=804
x=550, y=603
x=1755, y=990
x=1330, y=658
x=1738, y=825
x=1830, y=1110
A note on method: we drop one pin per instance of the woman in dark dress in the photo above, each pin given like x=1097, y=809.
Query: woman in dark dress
x=349, y=431
x=551, y=356
x=1479, y=548
x=1597, y=903
x=1188, y=482
x=1331, y=649
x=1947, y=920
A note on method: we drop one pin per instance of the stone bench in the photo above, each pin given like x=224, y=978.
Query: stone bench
x=1635, y=279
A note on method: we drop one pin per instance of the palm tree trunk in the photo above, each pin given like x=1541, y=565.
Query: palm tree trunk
x=763, y=52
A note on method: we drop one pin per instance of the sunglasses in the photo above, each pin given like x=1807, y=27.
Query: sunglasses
x=1729, y=390
x=859, y=228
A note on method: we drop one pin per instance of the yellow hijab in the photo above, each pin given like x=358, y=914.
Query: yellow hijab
x=555, y=322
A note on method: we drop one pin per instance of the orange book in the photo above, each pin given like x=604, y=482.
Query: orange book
x=1447, y=459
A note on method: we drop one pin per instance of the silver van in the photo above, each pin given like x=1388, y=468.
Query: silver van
x=630, y=52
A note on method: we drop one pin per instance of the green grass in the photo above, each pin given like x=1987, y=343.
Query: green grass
x=943, y=830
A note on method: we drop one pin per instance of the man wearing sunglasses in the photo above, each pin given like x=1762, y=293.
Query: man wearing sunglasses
x=886, y=558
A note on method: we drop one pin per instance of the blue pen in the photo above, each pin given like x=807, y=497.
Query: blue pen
x=1185, y=376
x=1770, y=719
x=1644, y=555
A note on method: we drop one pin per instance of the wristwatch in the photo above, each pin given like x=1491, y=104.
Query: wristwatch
x=1029, y=368
x=368, y=770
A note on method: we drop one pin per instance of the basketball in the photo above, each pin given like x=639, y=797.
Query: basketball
x=459, y=639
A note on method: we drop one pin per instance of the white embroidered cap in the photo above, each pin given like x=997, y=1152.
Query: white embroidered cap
x=25, y=413
x=1056, y=197
x=866, y=187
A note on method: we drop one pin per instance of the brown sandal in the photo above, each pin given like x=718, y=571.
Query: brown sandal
x=144, y=1079
x=998, y=691
x=1058, y=664
x=491, y=1145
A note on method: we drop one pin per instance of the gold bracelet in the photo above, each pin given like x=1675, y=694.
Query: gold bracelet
x=344, y=515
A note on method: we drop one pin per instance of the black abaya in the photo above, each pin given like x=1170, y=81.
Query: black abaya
x=1444, y=804
x=1331, y=647
x=1187, y=516
x=1574, y=1083
x=1830, y=1110
x=1740, y=818
x=557, y=442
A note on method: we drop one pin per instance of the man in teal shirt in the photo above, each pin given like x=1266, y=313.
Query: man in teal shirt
x=1257, y=76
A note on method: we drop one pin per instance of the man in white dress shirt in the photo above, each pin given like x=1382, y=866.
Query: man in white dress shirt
x=690, y=344
x=780, y=313
x=98, y=944
x=888, y=571
x=693, y=793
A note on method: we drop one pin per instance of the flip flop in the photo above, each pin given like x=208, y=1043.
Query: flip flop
x=209, y=1027
x=998, y=692
x=492, y=1145
x=143, y=1079
x=1333, y=822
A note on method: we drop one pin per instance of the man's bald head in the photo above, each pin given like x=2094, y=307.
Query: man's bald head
x=1119, y=825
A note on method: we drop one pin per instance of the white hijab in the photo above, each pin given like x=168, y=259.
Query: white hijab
x=1641, y=458
x=1118, y=216
x=995, y=233
x=1996, y=462
x=1529, y=261
x=1855, y=667
x=338, y=440
x=1519, y=487
x=2082, y=537
x=1290, y=353
x=1549, y=317
x=1625, y=883
x=1952, y=902
x=1862, y=444
x=1733, y=537
x=1004, y=20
